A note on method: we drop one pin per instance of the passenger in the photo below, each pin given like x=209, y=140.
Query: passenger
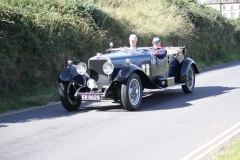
x=159, y=50
x=133, y=41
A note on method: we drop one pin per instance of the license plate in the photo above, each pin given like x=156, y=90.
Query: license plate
x=91, y=97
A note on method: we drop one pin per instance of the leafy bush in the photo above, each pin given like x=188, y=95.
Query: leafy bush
x=39, y=36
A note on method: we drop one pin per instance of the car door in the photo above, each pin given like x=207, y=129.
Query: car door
x=159, y=67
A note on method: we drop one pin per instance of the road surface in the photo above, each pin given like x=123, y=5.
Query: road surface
x=170, y=125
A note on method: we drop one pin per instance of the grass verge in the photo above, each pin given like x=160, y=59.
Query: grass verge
x=36, y=97
x=230, y=152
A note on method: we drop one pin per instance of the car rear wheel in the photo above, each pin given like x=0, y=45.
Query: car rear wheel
x=131, y=92
x=68, y=100
x=190, y=81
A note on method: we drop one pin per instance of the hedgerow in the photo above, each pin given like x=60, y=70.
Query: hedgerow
x=37, y=37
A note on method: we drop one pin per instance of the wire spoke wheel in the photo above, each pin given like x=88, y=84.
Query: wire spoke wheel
x=131, y=92
x=67, y=98
x=190, y=78
x=190, y=81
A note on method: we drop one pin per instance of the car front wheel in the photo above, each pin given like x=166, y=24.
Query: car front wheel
x=190, y=81
x=68, y=100
x=131, y=92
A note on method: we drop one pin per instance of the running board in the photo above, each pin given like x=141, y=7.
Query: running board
x=149, y=91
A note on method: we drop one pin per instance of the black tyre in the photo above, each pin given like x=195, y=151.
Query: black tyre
x=68, y=100
x=190, y=81
x=131, y=92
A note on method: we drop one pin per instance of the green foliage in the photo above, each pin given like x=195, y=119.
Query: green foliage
x=37, y=37
x=33, y=97
x=238, y=22
x=217, y=36
x=230, y=152
x=237, y=33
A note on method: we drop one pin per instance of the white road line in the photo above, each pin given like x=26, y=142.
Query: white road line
x=211, y=152
x=200, y=153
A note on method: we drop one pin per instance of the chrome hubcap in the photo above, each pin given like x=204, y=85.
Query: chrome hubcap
x=134, y=91
x=190, y=79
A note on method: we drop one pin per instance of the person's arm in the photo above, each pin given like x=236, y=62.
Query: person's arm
x=160, y=53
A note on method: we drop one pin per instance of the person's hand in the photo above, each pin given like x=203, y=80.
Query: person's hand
x=155, y=54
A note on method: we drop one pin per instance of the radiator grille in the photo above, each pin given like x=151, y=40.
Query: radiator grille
x=96, y=72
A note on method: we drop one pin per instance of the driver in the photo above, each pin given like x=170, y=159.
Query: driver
x=133, y=41
x=159, y=50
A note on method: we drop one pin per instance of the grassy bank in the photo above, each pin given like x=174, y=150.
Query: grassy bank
x=230, y=152
x=38, y=37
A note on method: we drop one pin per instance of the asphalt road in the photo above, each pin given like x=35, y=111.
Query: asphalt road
x=169, y=125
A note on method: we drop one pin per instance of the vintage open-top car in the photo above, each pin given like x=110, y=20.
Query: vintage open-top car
x=123, y=74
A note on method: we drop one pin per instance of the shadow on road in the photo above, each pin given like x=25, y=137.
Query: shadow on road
x=169, y=99
x=175, y=98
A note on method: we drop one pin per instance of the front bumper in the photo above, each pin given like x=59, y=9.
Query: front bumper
x=91, y=96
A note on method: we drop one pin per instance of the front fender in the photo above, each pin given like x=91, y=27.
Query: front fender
x=185, y=67
x=127, y=70
x=70, y=74
x=65, y=75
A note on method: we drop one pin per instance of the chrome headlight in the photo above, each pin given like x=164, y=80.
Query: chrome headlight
x=81, y=68
x=91, y=83
x=108, y=68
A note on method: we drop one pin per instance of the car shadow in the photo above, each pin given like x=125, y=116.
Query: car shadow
x=169, y=99
x=175, y=98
